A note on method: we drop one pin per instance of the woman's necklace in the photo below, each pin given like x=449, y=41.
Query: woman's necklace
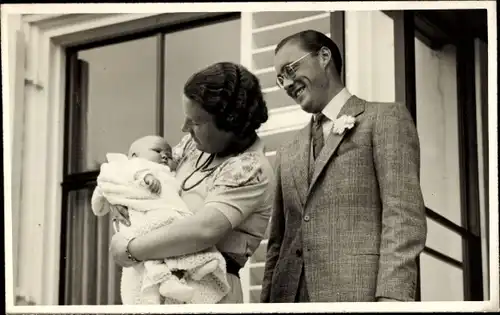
x=202, y=168
x=231, y=151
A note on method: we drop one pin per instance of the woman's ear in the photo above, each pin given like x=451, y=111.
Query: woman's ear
x=325, y=55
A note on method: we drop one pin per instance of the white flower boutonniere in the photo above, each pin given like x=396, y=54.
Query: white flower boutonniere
x=342, y=123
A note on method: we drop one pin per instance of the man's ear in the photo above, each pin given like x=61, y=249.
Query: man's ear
x=325, y=55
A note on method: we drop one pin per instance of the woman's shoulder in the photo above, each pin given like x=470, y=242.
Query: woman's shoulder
x=251, y=167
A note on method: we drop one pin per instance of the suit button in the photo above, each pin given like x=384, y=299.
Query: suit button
x=306, y=218
x=298, y=252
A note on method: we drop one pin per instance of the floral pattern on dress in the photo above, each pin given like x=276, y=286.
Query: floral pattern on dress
x=183, y=148
x=242, y=170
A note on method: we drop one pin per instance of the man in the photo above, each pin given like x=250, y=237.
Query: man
x=349, y=217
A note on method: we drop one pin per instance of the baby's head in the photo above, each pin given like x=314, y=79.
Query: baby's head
x=152, y=148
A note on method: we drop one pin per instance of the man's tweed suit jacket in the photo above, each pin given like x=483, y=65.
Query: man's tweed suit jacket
x=359, y=225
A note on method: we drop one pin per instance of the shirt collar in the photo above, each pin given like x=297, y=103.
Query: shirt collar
x=332, y=109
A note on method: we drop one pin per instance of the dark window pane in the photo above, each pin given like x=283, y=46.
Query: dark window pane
x=114, y=101
x=90, y=275
x=188, y=51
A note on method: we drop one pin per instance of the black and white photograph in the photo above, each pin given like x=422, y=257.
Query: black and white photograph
x=250, y=157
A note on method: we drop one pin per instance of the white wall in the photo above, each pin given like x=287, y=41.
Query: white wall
x=13, y=43
x=10, y=30
x=369, y=55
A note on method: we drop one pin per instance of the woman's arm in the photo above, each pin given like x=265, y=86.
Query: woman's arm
x=234, y=195
x=184, y=236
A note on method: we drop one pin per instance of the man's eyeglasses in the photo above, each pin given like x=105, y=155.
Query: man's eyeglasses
x=289, y=71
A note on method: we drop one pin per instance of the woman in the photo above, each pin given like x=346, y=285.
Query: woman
x=226, y=179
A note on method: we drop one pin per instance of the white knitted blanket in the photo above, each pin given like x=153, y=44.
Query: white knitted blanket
x=121, y=182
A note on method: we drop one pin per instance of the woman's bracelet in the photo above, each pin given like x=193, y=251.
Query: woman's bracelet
x=129, y=255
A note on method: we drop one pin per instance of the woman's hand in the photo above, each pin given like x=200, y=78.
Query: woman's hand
x=118, y=249
x=119, y=214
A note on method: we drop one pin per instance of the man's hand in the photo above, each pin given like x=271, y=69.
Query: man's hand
x=153, y=184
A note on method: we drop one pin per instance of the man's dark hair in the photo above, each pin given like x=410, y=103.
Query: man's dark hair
x=312, y=41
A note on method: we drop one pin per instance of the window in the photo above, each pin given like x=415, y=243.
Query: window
x=437, y=126
x=90, y=277
x=116, y=100
x=116, y=94
x=435, y=79
x=107, y=112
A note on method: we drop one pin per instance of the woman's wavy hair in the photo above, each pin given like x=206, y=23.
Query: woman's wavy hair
x=232, y=94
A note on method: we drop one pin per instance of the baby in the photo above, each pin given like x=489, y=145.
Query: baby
x=154, y=149
x=144, y=182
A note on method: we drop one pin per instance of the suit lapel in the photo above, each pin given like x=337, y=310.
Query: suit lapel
x=299, y=157
x=353, y=107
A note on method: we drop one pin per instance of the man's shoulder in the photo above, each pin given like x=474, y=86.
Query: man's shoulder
x=379, y=105
x=385, y=108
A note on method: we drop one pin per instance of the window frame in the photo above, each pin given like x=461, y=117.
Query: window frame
x=408, y=25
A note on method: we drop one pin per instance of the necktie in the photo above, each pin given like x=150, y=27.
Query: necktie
x=317, y=134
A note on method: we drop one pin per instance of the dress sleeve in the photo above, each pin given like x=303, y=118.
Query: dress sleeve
x=240, y=187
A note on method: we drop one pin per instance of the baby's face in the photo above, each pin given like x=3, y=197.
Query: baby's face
x=152, y=148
